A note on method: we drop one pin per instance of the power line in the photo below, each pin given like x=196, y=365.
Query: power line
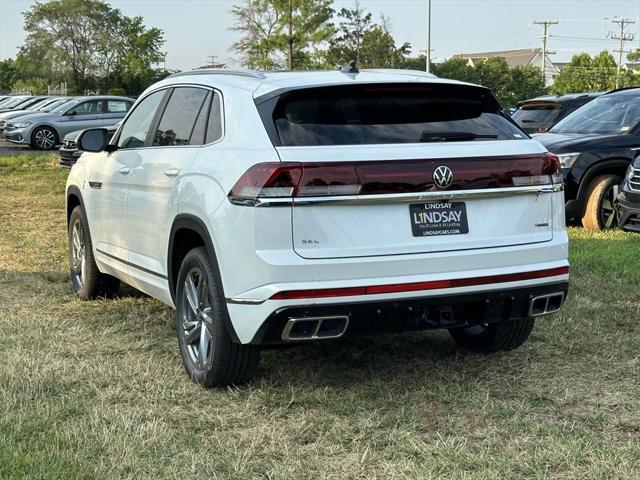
x=623, y=36
x=546, y=24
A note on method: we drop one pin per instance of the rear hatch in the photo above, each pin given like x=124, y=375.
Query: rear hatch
x=403, y=169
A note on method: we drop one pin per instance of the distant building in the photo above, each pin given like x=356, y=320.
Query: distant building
x=517, y=58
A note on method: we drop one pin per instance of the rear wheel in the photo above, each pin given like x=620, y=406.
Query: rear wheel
x=44, y=138
x=209, y=355
x=88, y=282
x=494, y=337
x=599, y=212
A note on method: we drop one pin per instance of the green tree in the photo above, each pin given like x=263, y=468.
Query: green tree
x=276, y=29
x=379, y=49
x=346, y=45
x=634, y=56
x=508, y=85
x=590, y=74
x=85, y=41
x=258, y=22
x=7, y=74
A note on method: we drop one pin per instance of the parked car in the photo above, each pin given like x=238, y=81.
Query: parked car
x=69, y=151
x=539, y=114
x=14, y=102
x=595, y=145
x=627, y=202
x=290, y=207
x=45, y=130
x=44, y=106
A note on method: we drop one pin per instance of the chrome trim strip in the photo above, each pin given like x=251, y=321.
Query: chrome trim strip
x=402, y=197
x=244, y=301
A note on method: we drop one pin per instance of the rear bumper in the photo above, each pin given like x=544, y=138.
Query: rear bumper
x=435, y=312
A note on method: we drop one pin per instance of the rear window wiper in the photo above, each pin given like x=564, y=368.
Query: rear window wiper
x=451, y=136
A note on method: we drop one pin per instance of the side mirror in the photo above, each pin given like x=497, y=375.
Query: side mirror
x=94, y=140
x=71, y=113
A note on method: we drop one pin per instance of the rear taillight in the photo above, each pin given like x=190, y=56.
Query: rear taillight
x=294, y=180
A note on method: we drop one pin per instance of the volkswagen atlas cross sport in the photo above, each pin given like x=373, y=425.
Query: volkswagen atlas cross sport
x=271, y=208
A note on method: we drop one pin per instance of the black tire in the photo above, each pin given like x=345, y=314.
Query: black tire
x=44, y=138
x=209, y=355
x=88, y=282
x=599, y=212
x=494, y=337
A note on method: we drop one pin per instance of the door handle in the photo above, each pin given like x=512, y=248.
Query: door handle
x=125, y=170
x=172, y=172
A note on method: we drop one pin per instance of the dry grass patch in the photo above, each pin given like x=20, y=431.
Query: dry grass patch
x=97, y=389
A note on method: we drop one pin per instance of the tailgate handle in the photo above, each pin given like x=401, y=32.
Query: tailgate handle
x=172, y=172
x=125, y=170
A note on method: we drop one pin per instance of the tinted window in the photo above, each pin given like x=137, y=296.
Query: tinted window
x=390, y=113
x=214, y=126
x=613, y=114
x=179, y=117
x=200, y=127
x=536, y=116
x=118, y=106
x=136, y=127
x=91, y=107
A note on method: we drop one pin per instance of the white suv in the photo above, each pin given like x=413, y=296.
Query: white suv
x=285, y=207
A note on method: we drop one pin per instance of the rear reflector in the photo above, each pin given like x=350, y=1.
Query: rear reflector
x=418, y=286
x=292, y=179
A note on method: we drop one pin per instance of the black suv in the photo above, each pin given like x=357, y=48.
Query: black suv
x=539, y=114
x=628, y=202
x=596, y=144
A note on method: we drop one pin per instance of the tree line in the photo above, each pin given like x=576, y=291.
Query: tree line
x=95, y=47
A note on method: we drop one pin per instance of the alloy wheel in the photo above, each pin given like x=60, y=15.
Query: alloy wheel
x=45, y=139
x=197, y=321
x=607, y=211
x=78, y=253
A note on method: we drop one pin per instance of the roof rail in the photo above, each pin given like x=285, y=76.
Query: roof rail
x=221, y=71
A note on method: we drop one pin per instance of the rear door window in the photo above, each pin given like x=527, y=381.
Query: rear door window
x=179, y=118
x=389, y=114
x=118, y=106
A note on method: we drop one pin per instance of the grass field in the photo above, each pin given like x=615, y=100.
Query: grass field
x=97, y=389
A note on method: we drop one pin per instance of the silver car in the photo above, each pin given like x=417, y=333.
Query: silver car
x=45, y=130
x=46, y=105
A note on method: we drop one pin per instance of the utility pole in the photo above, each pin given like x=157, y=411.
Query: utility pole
x=623, y=37
x=212, y=60
x=545, y=24
x=428, y=36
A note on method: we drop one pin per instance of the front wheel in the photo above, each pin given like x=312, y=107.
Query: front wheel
x=599, y=212
x=209, y=355
x=44, y=138
x=494, y=337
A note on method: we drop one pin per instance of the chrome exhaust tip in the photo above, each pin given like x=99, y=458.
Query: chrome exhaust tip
x=315, y=328
x=546, y=304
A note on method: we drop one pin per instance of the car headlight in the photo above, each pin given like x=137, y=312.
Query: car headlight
x=568, y=159
x=630, y=171
x=21, y=125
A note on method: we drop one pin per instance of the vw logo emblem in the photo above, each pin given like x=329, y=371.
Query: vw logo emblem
x=443, y=176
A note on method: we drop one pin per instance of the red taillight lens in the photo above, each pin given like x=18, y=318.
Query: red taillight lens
x=287, y=180
x=268, y=180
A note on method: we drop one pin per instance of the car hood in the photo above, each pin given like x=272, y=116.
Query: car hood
x=580, y=142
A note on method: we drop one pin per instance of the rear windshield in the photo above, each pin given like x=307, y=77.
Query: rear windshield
x=386, y=114
x=538, y=114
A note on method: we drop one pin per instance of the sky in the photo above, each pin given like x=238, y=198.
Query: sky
x=196, y=29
